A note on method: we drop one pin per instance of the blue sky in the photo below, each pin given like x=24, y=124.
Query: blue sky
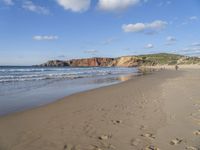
x=34, y=31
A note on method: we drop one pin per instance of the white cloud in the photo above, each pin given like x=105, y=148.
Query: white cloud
x=134, y=27
x=109, y=40
x=149, y=46
x=75, y=5
x=196, y=44
x=170, y=40
x=164, y=3
x=168, y=2
x=29, y=5
x=116, y=5
x=193, y=18
x=140, y=27
x=45, y=37
x=8, y=2
x=62, y=57
x=92, y=51
x=194, y=51
x=189, y=20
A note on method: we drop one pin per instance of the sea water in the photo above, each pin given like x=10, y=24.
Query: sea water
x=27, y=87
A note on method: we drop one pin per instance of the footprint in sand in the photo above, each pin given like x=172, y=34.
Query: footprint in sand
x=89, y=130
x=95, y=147
x=195, y=114
x=176, y=141
x=197, y=132
x=105, y=137
x=191, y=148
x=143, y=127
x=102, y=146
x=149, y=135
x=135, y=142
x=115, y=122
x=195, y=119
x=70, y=147
x=196, y=105
x=151, y=147
x=108, y=146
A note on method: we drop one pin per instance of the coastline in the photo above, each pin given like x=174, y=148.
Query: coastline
x=121, y=116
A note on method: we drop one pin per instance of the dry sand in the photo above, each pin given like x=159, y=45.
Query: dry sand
x=157, y=111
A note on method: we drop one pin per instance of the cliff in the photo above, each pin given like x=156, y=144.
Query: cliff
x=92, y=62
x=55, y=63
x=126, y=61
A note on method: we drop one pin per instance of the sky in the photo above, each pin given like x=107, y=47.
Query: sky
x=34, y=31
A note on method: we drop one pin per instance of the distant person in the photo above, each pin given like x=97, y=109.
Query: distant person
x=176, y=67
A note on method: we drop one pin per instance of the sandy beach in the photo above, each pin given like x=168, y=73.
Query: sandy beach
x=158, y=111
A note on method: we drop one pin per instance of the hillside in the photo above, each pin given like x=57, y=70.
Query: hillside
x=126, y=61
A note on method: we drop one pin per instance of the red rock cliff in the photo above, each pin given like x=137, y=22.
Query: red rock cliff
x=90, y=62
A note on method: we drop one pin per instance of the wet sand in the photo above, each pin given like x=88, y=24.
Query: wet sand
x=156, y=111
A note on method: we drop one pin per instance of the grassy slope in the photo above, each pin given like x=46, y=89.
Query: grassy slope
x=165, y=58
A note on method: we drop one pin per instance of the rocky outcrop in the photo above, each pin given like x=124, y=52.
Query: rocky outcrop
x=55, y=63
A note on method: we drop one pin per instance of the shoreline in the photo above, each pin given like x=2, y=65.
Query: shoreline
x=126, y=78
x=120, y=116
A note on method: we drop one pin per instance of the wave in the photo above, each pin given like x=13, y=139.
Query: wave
x=35, y=74
x=43, y=69
x=31, y=70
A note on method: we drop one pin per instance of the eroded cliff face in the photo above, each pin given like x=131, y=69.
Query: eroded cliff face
x=127, y=61
x=87, y=62
x=90, y=62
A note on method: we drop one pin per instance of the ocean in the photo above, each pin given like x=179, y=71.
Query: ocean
x=23, y=88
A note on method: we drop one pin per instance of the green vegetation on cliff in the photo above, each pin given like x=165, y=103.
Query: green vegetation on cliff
x=167, y=59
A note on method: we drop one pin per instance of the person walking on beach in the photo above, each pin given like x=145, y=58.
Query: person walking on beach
x=176, y=67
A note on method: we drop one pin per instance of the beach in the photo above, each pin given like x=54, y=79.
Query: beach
x=157, y=111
